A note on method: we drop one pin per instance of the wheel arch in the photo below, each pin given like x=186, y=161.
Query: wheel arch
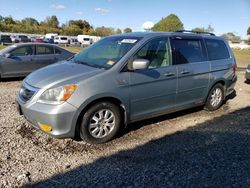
x=114, y=100
x=219, y=81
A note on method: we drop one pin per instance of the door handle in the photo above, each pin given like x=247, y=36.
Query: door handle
x=185, y=72
x=168, y=74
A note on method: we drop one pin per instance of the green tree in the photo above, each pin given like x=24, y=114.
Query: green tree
x=72, y=30
x=209, y=29
x=199, y=29
x=51, y=22
x=82, y=24
x=248, y=33
x=118, y=31
x=230, y=36
x=104, y=31
x=127, y=30
x=8, y=20
x=170, y=23
x=30, y=21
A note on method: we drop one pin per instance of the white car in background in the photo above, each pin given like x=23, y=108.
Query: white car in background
x=87, y=40
x=61, y=40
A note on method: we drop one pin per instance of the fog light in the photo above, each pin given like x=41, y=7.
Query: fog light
x=45, y=127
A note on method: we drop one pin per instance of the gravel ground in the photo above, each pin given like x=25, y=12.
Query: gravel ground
x=192, y=148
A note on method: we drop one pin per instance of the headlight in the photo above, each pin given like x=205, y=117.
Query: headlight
x=57, y=95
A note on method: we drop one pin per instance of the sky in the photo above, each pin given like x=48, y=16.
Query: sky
x=223, y=15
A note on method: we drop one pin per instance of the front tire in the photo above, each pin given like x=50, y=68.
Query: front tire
x=215, y=98
x=100, y=123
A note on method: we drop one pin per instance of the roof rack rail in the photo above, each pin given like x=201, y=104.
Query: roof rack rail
x=197, y=32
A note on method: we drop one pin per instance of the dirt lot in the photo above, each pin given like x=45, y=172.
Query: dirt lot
x=192, y=148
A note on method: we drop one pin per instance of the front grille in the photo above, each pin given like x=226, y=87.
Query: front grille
x=26, y=92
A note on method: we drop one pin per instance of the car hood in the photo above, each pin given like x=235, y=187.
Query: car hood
x=61, y=72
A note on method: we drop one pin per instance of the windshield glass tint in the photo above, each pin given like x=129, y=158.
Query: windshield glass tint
x=106, y=52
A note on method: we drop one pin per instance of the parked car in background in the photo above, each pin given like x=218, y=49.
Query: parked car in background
x=23, y=38
x=247, y=75
x=50, y=41
x=51, y=35
x=32, y=39
x=61, y=40
x=21, y=59
x=85, y=40
x=39, y=40
x=127, y=78
x=5, y=39
x=74, y=41
x=14, y=39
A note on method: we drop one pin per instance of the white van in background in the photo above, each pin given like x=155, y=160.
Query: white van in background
x=85, y=40
x=61, y=40
x=51, y=35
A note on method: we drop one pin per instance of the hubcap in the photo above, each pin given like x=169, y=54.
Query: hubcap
x=102, y=123
x=216, y=97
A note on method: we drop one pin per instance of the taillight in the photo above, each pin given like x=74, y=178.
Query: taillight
x=234, y=67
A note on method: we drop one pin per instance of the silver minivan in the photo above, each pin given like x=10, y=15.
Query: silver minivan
x=126, y=78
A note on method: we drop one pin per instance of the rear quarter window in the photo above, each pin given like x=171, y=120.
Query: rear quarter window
x=216, y=49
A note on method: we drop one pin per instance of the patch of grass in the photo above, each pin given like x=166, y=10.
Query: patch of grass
x=242, y=57
x=73, y=49
x=2, y=47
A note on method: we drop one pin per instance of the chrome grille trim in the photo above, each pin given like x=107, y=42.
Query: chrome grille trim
x=27, y=92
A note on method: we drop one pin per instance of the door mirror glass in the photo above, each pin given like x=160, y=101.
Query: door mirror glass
x=7, y=55
x=139, y=64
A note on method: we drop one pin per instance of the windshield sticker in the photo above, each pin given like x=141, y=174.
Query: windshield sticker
x=131, y=41
x=110, y=62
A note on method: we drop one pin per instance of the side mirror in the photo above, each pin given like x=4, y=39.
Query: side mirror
x=139, y=64
x=7, y=55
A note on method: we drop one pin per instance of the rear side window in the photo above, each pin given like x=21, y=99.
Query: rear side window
x=64, y=38
x=216, y=49
x=42, y=50
x=187, y=51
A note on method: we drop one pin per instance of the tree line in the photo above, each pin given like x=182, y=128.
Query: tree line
x=51, y=24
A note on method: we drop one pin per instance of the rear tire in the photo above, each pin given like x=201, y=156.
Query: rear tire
x=215, y=97
x=100, y=123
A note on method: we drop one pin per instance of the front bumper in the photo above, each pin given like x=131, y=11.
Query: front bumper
x=59, y=117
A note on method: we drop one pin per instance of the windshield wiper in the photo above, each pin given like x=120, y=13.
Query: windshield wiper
x=85, y=63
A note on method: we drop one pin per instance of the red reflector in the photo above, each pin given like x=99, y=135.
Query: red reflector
x=234, y=67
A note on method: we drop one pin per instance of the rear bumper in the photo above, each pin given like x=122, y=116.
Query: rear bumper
x=230, y=85
x=247, y=75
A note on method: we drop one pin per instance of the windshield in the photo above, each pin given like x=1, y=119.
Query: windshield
x=7, y=49
x=106, y=52
x=5, y=37
x=23, y=36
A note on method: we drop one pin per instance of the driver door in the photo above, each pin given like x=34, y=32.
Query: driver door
x=153, y=90
x=19, y=62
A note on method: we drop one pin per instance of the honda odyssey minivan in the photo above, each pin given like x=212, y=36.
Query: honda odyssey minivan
x=126, y=78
